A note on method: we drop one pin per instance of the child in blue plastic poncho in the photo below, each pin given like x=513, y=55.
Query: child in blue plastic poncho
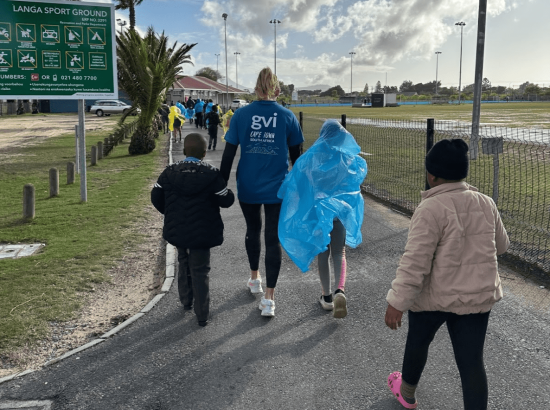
x=322, y=209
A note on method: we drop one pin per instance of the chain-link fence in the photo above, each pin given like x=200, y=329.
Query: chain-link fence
x=512, y=167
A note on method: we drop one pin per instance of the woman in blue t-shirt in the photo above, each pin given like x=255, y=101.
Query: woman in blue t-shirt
x=266, y=131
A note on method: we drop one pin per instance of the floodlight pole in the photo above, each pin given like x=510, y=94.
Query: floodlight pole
x=217, y=63
x=236, y=71
x=121, y=23
x=351, y=53
x=275, y=22
x=461, y=24
x=437, y=53
x=224, y=15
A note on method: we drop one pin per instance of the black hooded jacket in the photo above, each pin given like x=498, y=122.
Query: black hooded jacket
x=190, y=194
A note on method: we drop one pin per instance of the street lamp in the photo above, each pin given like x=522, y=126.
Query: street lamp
x=437, y=53
x=121, y=23
x=352, y=53
x=236, y=72
x=224, y=15
x=217, y=63
x=275, y=22
x=461, y=24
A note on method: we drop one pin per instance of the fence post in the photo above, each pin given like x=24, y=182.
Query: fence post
x=70, y=172
x=28, y=201
x=344, y=121
x=301, y=117
x=112, y=141
x=94, y=155
x=429, y=144
x=54, y=182
x=99, y=150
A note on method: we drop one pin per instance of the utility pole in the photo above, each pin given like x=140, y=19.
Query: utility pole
x=481, y=24
x=461, y=24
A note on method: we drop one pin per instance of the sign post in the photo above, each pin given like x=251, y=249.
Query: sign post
x=54, y=49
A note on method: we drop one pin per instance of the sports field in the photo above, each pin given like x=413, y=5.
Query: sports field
x=517, y=115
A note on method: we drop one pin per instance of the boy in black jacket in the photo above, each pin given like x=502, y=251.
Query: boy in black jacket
x=214, y=121
x=190, y=193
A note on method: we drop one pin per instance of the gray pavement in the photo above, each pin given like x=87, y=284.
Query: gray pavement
x=300, y=359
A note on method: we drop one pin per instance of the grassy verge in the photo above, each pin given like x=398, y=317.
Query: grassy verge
x=82, y=239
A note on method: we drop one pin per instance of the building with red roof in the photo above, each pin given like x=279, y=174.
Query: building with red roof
x=203, y=88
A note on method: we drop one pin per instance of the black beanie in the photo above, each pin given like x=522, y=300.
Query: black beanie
x=448, y=159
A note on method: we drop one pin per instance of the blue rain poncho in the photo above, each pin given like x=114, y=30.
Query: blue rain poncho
x=324, y=184
x=181, y=107
x=189, y=113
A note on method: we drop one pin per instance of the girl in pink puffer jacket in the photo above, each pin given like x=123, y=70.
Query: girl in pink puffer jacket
x=448, y=274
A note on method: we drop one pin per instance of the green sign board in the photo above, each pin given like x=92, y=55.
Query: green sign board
x=56, y=49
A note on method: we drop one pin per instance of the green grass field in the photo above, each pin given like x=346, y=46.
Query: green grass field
x=526, y=115
x=395, y=158
x=82, y=240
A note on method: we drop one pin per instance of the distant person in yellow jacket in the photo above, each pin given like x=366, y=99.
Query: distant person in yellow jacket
x=226, y=119
x=176, y=120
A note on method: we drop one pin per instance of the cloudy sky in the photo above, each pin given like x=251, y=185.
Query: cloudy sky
x=393, y=38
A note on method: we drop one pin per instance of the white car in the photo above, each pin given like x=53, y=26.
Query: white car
x=108, y=107
x=238, y=104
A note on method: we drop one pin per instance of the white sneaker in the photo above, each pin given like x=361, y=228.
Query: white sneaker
x=340, y=306
x=255, y=285
x=267, y=306
x=326, y=305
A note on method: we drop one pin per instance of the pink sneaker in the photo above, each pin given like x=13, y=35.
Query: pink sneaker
x=394, y=383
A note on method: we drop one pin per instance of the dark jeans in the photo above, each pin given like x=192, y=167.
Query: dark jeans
x=193, y=282
x=273, y=255
x=198, y=122
x=213, y=134
x=467, y=336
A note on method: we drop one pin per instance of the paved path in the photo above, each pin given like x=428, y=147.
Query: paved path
x=302, y=358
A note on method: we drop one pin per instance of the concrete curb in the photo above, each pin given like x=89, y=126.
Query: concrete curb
x=168, y=280
x=33, y=405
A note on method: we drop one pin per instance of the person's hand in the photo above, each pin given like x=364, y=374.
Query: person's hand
x=393, y=317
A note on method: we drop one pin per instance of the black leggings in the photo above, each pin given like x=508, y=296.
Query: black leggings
x=253, y=217
x=467, y=336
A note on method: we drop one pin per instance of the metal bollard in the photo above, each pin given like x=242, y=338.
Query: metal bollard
x=28, y=201
x=71, y=169
x=99, y=150
x=94, y=155
x=54, y=182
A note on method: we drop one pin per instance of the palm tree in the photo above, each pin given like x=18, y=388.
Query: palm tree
x=129, y=5
x=147, y=67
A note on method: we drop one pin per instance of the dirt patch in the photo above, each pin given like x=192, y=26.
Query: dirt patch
x=29, y=130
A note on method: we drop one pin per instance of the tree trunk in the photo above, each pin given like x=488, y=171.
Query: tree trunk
x=132, y=10
x=143, y=141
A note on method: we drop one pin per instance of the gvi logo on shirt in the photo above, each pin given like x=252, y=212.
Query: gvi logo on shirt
x=257, y=122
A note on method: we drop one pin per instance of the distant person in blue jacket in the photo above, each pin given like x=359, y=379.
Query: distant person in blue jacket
x=267, y=133
x=198, y=113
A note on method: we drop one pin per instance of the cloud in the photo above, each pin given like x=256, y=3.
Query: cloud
x=381, y=32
